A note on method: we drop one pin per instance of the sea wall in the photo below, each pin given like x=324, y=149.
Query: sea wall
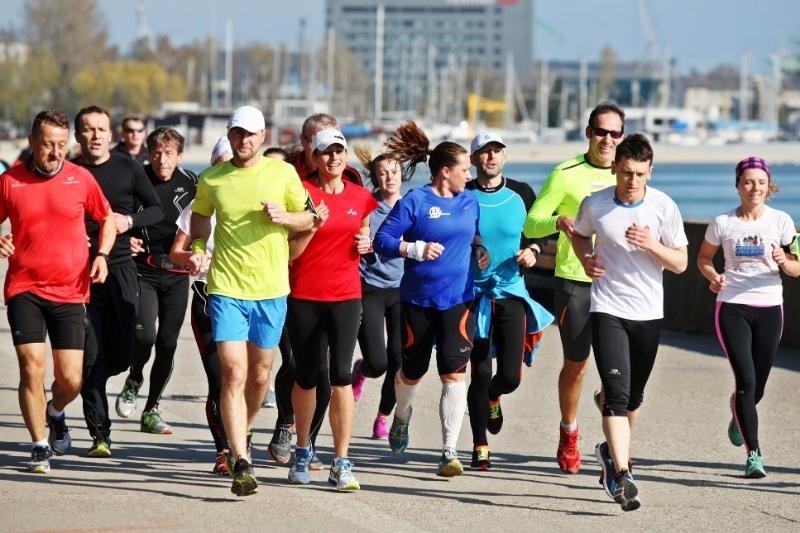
x=688, y=303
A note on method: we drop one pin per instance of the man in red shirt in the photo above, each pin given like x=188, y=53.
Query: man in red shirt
x=47, y=286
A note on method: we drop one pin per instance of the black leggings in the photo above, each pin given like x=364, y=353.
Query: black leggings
x=316, y=326
x=380, y=308
x=750, y=337
x=201, y=326
x=625, y=352
x=284, y=382
x=163, y=296
x=109, y=342
x=508, y=336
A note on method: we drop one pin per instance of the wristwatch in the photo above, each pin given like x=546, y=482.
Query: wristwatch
x=130, y=221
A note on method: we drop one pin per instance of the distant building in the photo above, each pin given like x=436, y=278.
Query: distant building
x=424, y=40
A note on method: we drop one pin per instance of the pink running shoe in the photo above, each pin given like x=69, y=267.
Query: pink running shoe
x=380, y=428
x=358, y=380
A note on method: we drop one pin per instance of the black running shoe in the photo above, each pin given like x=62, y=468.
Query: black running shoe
x=481, y=458
x=495, y=422
x=244, y=478
x=625, y=493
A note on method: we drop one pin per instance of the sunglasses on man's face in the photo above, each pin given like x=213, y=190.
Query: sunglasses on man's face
x=602, y=132
x=134, y=130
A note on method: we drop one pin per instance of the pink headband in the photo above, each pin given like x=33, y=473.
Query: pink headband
x=752, y=162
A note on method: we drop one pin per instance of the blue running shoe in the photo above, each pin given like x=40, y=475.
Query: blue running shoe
x=398, y=434
x=734, y=435
x=300, y=473
x=341, y=476
x=754, y=468
x=58, y=437
x=607, y=477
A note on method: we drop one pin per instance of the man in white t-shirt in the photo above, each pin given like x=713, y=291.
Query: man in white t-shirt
x=639, y=232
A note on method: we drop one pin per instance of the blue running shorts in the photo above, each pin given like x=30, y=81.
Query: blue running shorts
x=257, y=321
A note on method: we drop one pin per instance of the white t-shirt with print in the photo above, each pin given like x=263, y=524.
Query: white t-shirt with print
x=752, y=276
x=632, y=286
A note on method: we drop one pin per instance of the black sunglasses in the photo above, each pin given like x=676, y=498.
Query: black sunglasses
x=601, y=132
x=134, y=130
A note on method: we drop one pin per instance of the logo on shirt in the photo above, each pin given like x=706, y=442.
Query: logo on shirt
x=352, y=212
x=752, y=245
x=179, y=189
x=71, y=180
x=436, y=212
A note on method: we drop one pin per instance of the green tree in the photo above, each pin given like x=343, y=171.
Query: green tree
x=27, y=85
x=128, y=86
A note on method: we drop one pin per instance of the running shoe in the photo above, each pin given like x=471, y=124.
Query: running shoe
x=607, y=475
x=398, y=434
x=315, y=464
x=449, y=465
x=568, y=455
x=300, y=473
x=495, y=422
x=280, y=446
x=153, y=423
x=597, y=403
x=101, y=448
x=625, y=492
x=380, y=428
x=481, y=458
x=126, y=401
x=754, y=468
x=341, y=475
x=358, y=380
x=221, y=463
x=244, y=478
x=269, y=399
x=40, y=460
x=734, y=435
x=58, y=437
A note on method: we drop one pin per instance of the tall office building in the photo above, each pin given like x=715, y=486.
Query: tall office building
x=428, y=46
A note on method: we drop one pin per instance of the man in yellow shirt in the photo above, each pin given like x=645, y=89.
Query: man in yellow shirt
x=257, y=202
x=555, y=210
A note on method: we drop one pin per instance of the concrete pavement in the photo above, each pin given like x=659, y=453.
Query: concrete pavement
x=690, y=477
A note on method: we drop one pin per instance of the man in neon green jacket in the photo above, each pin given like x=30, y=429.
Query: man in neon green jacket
x=554, y=211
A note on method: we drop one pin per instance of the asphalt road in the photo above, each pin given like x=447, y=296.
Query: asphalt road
x=690, y=478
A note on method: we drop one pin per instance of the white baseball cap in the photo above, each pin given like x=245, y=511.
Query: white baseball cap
x=484, y=138
x=327, y=137
x=222, y=147
x=248, y=118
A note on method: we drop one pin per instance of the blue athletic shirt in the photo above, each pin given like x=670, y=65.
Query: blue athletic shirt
x=422, y=215
x=503, y=212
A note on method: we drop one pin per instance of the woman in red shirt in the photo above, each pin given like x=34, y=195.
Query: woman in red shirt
x=324, y=306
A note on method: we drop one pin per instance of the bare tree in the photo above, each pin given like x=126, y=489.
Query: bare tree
x=73, y=32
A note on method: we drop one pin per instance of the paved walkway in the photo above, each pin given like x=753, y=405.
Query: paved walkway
x=690, y=477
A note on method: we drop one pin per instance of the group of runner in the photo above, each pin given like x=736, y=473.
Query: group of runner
x=301, y=255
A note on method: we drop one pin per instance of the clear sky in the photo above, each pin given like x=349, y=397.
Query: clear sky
x=698, y=33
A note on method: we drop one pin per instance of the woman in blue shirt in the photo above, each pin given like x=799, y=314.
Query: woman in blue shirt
x=435, y=227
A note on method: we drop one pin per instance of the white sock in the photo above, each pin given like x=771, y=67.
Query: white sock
x=405, y=395
x=452, y=405
x=569, y=428
x=52, y=410
x=42, y=443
